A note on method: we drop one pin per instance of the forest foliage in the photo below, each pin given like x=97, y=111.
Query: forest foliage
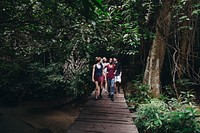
x=47, y=49
x=48, y=46
x=39, y=39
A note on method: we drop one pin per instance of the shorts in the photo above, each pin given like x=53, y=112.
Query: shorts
x=98, y=79
x=118, y=79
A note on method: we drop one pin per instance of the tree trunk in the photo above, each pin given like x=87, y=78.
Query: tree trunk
x=157, y=51
x=186, y=39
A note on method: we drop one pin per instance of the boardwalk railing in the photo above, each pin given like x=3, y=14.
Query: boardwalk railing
x=104, y=116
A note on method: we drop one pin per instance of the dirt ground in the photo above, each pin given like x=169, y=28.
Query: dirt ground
x=43, y=116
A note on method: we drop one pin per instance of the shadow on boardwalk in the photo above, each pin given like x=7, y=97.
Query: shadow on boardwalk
x=104, y=116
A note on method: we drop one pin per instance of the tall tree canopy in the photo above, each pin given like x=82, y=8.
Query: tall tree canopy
x=48, y=46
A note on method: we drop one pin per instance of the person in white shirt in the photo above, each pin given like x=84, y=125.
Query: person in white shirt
x=118, y=75
x=105, y=83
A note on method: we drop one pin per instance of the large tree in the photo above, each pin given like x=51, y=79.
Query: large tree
x=181, y=42
x=157, y=51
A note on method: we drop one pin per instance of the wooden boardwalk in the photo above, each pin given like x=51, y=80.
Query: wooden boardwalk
x=104, y=116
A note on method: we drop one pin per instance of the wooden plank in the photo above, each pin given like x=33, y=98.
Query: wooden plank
x=107, y=102
x=107, y=114
x=108, y=105
x=104, y=121
x=104, y=116
x=95, y=117
x=103, y=127
x=118, y=112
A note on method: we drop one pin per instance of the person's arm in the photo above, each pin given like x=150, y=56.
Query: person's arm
x=102, y=71
x=120, y=74
x=120, y=70
x=106, y=68
x=93, y=69
x=115, y=68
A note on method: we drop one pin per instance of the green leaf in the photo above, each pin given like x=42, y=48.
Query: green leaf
x=196, y=12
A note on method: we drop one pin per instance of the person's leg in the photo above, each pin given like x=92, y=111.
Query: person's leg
x=96, y=90
x=118, y=87
x=105, y=83
x=115, y=87
x=106, y=86
x=117, y=83
x=109, y=86
x=101, y=88
x=112, y=89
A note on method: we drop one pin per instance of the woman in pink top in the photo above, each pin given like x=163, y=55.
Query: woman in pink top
x=111, y=78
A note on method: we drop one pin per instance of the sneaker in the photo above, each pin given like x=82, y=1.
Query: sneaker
x=118, y=90
x=112, y=97
x=95, y=98
x=100, y=96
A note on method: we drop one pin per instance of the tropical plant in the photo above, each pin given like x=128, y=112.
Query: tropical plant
x=174, y=117
x=137, y=93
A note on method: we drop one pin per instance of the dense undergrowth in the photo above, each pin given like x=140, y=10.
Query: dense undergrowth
x=166, y=114
x=36, y=82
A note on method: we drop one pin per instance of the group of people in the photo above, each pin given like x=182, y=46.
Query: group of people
x=106, y=75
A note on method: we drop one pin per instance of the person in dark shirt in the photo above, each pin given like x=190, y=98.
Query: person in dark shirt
x=97, y=77
x=118, y=75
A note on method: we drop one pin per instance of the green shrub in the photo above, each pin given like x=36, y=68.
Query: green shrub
x=150, y=116
x=50, y=82
x=45, y=82
x=38, y=82
x=174, y=117
x=137, y=93
x=182, y=120
x=185, y=89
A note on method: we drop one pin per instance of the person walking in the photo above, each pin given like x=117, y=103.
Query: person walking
x=97, y=77
x=105, y=84
x=118, y=75
x=110, y=78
